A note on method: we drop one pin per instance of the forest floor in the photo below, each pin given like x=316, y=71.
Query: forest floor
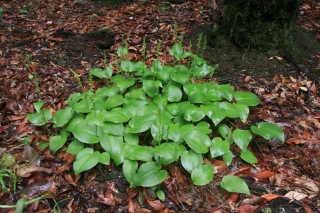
x=53, y=37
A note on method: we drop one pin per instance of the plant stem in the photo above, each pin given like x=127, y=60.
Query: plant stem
x=26, y=203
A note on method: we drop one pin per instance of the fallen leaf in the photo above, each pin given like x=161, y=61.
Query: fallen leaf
x=309, y=186
x=263, y=175
x=246, y=208
x=292, y=195
x=270, y=197
x=26, y=171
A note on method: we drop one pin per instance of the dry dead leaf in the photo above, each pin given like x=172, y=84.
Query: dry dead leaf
x=263, y=175
x=309, y=186
x=246, y=208
x=292, y=195
x=270, y=197
x=26, y=171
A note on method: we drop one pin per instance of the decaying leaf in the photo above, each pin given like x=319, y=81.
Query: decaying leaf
x=310, y=187
x=26, y=171
x=292, y=195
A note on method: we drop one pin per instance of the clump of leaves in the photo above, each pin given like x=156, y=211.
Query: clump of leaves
x=1, y=12
x=149, y=117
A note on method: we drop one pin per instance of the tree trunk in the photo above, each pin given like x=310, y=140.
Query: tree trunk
x=261, y=24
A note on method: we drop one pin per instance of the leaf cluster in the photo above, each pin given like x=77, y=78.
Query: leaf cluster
x=149, y=117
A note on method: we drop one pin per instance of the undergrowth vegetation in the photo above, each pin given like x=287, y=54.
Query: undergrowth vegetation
x=148, y=117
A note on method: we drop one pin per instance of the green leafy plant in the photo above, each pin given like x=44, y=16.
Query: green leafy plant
x=41, y=117
x=1, y=12
x=7, y=174
x=149, y=117
x=26, y=10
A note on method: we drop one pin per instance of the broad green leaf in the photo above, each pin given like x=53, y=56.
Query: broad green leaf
x=160, y=101
x=138, y=66
x=156, y=67
x=110, y=128
x=242, y=138
x=136, y=94
x=160, y=194
x=42, y=144
x=141, y=123
x=104, y=158
x=226, y=91
x=213, y=93
x=177, y=51
x=129, y=111
x=40, y=118
x=247, y=156
x=98, y=72
x=243, y=111
x=224, y=131
x=83, y=106
x=20, y=204
x=198, y=98
x=126, y=66
x=137, y=152
x=246, y=98
x=229, y=109
x=164, y=74
x=227, y=157
x=96, y=117
x=197, y=60
x=151, y=87
x=191, y=160
x=178, y=108
x=201, y=70
x=86, y=132
x=107, y=72
x=114, y=101
x=104, y=92
x=202, y=175
x=180, y=77
x=234, y=184
x=75, y=147
x=74, y=122
x=204, y=127
x=168, y=152
x=148, y=175
x=74, y=98
x=123, y=83
x=111, y=144
x=62, y=116
x=219, y=147
x=115, y=117
x=85, y=160
x=174, y=132
x=174, y=93
x=217, y=114
x=197, y=141
x=56, y=142
x=268, y=131
x=120, y=157
x=38, y=106
x=194, y=114
x=122, y=51
x=129, y=169
x=149, y=109
x=136, y=103
x=192, y=88
x=186, y=129
x=131, y=138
